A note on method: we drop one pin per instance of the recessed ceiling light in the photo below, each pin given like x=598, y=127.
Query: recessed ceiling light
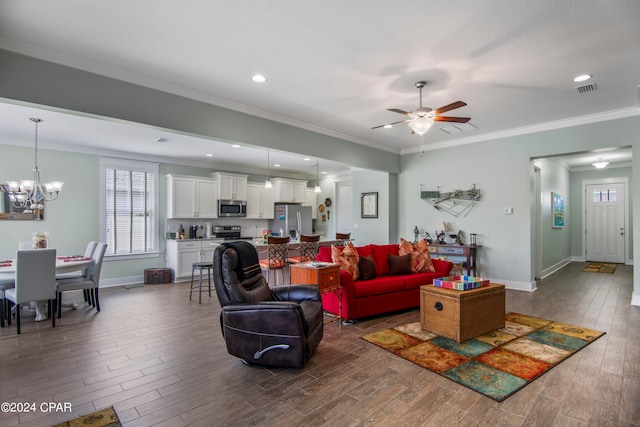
x=235, y=146
x=306, y=159
x=323, y=172
x=582, y=78
x=209, y=155
x=277, y=165
x=259, y=78
x=387, y=126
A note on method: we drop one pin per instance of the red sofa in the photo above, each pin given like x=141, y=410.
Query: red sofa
x=362, y=298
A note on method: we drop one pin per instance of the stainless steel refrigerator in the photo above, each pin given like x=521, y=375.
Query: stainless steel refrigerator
x=292, y=219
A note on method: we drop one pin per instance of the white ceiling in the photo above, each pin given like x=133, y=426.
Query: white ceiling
x=334, y=67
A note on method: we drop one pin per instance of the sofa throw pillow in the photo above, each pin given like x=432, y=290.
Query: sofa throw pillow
x=347, y=258
x=367, y=268
x=420, y=256
x=400, y=264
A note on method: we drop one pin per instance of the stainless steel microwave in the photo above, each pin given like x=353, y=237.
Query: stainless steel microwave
x=232, y=208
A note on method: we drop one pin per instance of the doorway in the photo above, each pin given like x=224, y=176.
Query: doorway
x=605, y=219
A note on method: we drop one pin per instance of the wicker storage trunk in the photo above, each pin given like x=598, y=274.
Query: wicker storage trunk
x=462, y=315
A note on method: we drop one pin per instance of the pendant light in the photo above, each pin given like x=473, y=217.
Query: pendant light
x=267, y=183
x=317, y=189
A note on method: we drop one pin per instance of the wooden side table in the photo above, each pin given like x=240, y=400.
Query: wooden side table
x=325, y=276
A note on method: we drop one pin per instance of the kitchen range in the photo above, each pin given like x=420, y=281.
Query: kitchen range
x=228, y=232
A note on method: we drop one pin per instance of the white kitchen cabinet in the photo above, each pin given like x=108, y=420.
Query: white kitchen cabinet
x=310, y=200
x=289, y=190
x=191, y=197
x=259, y=201
x=231, y=186
x=181, y=254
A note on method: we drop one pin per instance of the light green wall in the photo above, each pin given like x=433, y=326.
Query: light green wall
x=501, y=169
x=371, y=230
x=501, y=172
x=556, y=242
x=71, y=220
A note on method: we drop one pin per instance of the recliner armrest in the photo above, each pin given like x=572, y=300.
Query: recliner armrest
x=268, y=317
x=296, y=293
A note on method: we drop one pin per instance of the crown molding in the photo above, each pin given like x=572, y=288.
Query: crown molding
x=556, y=124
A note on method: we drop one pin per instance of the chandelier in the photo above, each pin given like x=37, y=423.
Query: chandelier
x=28, y=194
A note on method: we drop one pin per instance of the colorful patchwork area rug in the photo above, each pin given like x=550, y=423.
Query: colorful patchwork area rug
x=601, y=267
x=106, y=417
x=496, y=364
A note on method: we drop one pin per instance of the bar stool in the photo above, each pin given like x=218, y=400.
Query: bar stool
x=200, y=266
x=343, y=238
x=277, y=254
x=308, y=249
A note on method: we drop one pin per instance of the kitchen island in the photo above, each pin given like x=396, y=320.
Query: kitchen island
x=182, y=253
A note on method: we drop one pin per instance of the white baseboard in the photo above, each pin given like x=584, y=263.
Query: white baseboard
x=122, y=281
x=635, y=299
x=549, y=271
x=516, y=286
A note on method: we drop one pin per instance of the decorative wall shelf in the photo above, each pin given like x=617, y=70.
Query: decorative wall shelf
x=456, y=202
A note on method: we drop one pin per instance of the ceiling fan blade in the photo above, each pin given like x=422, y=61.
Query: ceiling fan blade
x=395, y=110
x=451, y=119
x=450, y=107
x=391, y=124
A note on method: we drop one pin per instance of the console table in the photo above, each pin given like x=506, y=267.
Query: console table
x=464, y=254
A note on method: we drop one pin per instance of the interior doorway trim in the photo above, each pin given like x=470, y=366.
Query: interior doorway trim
x=621, y=180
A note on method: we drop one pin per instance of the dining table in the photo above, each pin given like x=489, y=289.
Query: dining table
x=64, y=265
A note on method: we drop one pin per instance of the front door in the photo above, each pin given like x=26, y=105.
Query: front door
x=605, y=222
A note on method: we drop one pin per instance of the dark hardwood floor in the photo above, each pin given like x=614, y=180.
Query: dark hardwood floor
x=160, y=360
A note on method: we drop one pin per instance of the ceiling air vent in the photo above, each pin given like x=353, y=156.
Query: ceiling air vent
x=589, y=87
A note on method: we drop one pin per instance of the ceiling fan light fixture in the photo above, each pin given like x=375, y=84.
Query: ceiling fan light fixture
x=421, y=125
x=600, y=163
x=582, y=78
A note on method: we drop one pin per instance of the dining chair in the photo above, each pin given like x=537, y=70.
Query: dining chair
x=343, y=239
x=277, y=254
x=35, y=281
x=308, y=249
x=89, y=283
x=7, y=281
x=88, y=253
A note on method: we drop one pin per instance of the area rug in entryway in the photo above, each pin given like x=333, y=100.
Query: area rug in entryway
x=496, y=364
x=106, y=417
x=601, y=267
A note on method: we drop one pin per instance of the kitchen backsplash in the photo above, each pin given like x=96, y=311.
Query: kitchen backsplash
x=250, y=227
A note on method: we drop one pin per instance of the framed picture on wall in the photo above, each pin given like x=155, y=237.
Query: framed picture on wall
x=557, y=202
x=369, y=205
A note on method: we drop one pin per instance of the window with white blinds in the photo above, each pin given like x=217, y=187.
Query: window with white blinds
x=129, y=224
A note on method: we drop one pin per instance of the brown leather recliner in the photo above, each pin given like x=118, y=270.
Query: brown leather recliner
x=279, y=327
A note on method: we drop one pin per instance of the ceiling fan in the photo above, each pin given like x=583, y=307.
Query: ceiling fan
x=421, y=120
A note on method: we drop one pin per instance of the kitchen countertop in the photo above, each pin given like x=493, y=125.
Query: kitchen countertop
x=256, y=240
